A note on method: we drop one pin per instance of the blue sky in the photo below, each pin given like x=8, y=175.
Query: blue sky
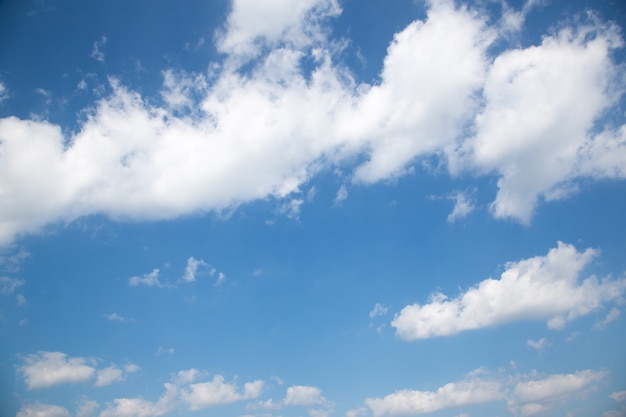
x=312, y=208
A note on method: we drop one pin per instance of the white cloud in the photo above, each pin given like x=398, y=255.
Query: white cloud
x=357, y=412
x=45, y=369
x=138, y=407
x=114, y=317
x=538, y=344
x=162, y=351
x=378, y=310
x=113, y=374
x=232, y=137
x=524, y=394
x=217, y=392
x=96, y=52
x=619, y=396
x=533, y=100
x=192, y=267
x=252, y=24
x=150, y=280
x=409, y=402
x=342, y=194
x=610, y=317
x=42, y=410
x=537, y=395
x=303, y=395
x=463, y=205
x=86, y=408
x=3, y=92
x=9, y=285
x=543, y=287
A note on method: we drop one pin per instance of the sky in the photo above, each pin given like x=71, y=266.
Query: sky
x=312, y=208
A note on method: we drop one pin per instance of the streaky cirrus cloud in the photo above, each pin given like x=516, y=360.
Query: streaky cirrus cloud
x=540, y=288
x=235, y=136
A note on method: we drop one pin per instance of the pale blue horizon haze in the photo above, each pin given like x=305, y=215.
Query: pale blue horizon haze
x=241, y=208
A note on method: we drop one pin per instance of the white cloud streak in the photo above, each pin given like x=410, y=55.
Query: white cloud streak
x=543, y=287
x=42, y=410
x=409, y=402
x=234, y=137
x=96, y=52
x=524, y=394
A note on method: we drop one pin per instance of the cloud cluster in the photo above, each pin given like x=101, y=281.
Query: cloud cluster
x=46, y=369
x=184, y=390
x=525, y=395
x=234, y=136
x=542, y=287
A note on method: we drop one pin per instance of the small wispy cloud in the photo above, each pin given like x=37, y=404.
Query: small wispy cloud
x=193, y=265
x=378, y=310
x=342, y=194
x=611, y=316
x=96, y=52
x=538, y=344
x=150, y=280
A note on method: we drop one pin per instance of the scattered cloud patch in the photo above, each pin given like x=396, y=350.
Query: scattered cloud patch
x=115, y=317
x=46, y=369
x=150, y=280
x=524, y=394
x=163, y=351
x=192, y=267
x=463, y=205
x=4, y=94
x=410, y=402
x=538, y=344
x=610, y=317
x=543, y=287
x=96, y=52
x=378, y=310
x=537, y=395
x=619, y=396
x=342, y=194
x=113, y=374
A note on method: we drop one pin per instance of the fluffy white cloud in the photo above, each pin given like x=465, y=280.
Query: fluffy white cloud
x=535, y=129
x=45, y=369
x=542, y=287
x=42, y=410
x=611, y=316
x=150, y=280
x=409, y=402
x=619, y=396
x=235, y=136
